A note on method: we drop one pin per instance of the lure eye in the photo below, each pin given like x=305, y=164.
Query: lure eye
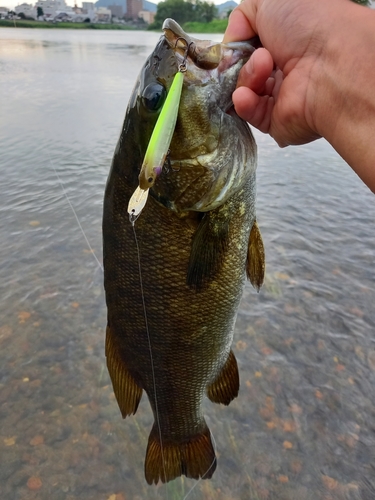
x=153, y=96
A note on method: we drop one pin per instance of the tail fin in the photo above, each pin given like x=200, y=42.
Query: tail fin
x=194, y=457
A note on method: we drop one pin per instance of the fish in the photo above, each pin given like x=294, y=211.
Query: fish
x=173, y=279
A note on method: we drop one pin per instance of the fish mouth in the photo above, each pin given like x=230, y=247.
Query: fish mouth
x=208, y=159
x=205, y=54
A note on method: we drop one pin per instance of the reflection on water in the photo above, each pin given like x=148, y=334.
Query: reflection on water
x=303, y=424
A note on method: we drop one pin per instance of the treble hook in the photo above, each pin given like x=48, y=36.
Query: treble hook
x=182, y=66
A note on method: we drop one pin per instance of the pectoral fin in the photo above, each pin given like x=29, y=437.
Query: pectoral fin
x=127, y=392
x=226, y=386
x=255, y=264
x=208, y=248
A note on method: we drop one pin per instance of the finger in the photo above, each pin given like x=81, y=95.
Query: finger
x=239, y=27
x=279, y=78
x=269, y=86
x=253, y=108
x=256, y=71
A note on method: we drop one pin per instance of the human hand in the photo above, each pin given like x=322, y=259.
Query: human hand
x=313, y=77
x=280, y=101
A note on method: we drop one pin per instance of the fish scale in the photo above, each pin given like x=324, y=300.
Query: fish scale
x=193, y=267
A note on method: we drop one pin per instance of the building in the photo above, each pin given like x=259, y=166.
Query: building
x=86, y=6
x=103, y=15
x=116, y=11
x=88, y=11
x=147, y=16
x=133, y=8
x=52, y=7
x=27, y=9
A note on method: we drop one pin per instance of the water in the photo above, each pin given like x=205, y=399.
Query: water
x=303, y=424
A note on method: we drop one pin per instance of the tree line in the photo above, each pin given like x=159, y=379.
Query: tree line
x=183, y=11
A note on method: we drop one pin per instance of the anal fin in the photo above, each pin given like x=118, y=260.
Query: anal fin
x=226, y=386
x=256, y=262
x=127, y=392
x=193, y=457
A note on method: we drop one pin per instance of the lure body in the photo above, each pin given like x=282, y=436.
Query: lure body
x=158, y=147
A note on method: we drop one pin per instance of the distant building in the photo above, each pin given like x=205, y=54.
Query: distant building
x=63, y=16
x=116, y=11
x=103, y=15
x=27, y=9
x=88, y=11
x=86, y=6
x=133, y=8
x=3, y=12
x=52, y=7
x=147, y=16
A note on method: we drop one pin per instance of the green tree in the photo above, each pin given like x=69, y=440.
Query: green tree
x=39, y=12
x=179, y=10
x=204, y=11
x=183, y=11
x=362, y=2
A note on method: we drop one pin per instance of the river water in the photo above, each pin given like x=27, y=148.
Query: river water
x=303, y=426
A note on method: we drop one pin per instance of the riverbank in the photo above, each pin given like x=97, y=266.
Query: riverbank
x=20, y=23
x=215, y=26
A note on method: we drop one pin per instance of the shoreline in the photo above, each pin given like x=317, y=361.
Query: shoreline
x=21, y=23
x=215, y=26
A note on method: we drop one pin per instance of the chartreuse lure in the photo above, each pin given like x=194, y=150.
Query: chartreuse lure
x=157, y=148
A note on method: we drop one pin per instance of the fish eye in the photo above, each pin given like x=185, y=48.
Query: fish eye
x=153, y=96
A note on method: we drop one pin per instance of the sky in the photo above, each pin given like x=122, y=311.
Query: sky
x=12, y=3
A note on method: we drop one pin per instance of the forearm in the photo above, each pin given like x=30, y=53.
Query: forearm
x=344, y=111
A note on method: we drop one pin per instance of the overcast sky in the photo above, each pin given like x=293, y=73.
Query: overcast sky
x=12, y=3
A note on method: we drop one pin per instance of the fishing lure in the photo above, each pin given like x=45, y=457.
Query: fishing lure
x=158, y=146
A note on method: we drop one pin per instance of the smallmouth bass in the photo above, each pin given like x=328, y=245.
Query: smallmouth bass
x=196, y=238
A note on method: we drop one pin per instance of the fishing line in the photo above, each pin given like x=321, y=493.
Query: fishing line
x=143, y=305
x=75, y=215
x=154, y=159
x=154, y=379
x=202, y=477
x=150, y=351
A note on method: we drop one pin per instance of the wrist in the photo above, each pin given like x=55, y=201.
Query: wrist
x=342, y=103
x=332, y=74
